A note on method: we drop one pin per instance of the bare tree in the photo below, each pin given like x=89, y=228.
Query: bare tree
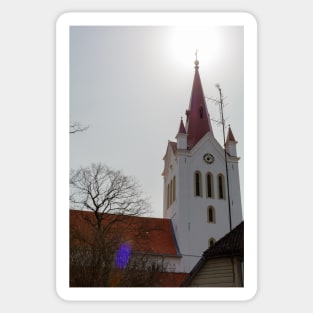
x=102, y=190
x=110, y=197
x=77, y=127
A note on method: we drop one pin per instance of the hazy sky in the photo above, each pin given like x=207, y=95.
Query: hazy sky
x=132, y=85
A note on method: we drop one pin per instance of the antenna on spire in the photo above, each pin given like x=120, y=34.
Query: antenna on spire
x=225, y=153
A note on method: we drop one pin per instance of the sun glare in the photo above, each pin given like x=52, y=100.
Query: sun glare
x=185, y=41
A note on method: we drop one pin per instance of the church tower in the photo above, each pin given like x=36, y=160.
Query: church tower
x=195, y=182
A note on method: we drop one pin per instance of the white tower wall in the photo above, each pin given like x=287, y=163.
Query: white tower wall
x=189, y=213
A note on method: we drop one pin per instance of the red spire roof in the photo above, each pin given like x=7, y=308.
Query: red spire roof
x=181, y=129
x=198, y=118
x=230, y=136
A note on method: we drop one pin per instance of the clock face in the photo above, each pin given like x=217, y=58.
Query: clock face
x=208, y=158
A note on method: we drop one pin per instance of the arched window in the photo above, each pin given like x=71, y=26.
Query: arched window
x=211, y=215
x=221, y=186
x=197, y=184
x=171, y=192
x=174, y=188
x=211, y=242
x=209, y=185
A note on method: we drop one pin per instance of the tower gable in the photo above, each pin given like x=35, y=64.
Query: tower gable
x=170, y=153
x=208, y=144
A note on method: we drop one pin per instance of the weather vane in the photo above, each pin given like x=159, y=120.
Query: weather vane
x=196, y=54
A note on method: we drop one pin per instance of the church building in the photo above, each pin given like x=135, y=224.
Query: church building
x=201, y=204
x=201, y=196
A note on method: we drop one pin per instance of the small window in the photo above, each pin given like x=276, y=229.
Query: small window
x=211, y=242
x=211, y=215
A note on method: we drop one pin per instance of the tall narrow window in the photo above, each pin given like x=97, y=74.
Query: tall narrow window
x=221, y=186
x=171, y=192
x=211, y=215
x=168, y=196
x=198, y=191
x=209, y=185
x=174, y=188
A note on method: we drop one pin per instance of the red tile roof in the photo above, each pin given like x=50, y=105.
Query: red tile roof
x=143, y=234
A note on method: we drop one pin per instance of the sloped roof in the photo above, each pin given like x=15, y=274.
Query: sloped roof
x=173, y=145
x=143, y=234
x=230, y=136
x=181, y=129
x=232, y=244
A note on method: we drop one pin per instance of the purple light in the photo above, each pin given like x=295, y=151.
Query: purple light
x=122, y=256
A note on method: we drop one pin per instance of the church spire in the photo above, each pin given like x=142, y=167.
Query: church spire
x=230, y=136
x=198, y=118
x=181, y=136
x=230, y=144
x=181, y=129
